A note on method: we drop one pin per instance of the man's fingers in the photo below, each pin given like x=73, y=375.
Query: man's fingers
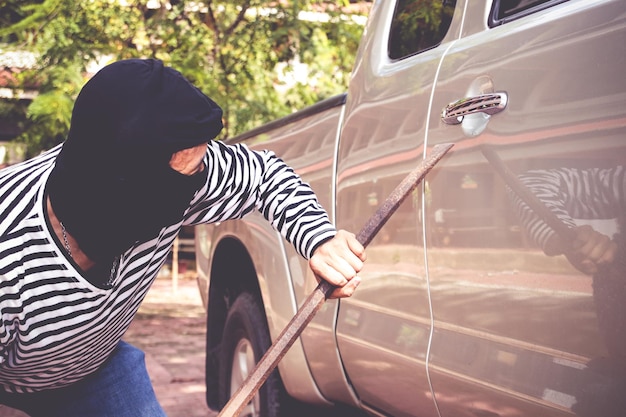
x=594, y=246
x=591, y=249
x=335, y=270
x=356, y=247
x=347, y=290
x=609, y=255
x=338, y=261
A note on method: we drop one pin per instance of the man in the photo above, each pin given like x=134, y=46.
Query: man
x=591, y=201
x=85, y=227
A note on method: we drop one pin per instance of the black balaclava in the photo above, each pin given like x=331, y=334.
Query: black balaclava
x=112, y=184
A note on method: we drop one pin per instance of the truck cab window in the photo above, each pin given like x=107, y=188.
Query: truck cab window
x=418, y=25
x=504, y=11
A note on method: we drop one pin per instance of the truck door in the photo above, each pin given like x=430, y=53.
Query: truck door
x=525, y=217
x=383, y=330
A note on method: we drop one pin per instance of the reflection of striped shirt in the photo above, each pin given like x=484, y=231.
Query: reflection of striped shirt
x=576, y=196
x=56, y=326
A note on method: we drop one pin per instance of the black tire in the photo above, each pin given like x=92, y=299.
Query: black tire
x=245, y=335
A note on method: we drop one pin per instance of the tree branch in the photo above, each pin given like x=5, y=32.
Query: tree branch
x=238, y=20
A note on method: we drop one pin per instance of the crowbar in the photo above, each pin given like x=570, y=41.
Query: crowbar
x=316, y=299
x=527, y=196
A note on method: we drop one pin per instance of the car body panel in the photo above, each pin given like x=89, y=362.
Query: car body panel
x=309, y=147
x=460, y=311
x=517, y=331
x=383, y=329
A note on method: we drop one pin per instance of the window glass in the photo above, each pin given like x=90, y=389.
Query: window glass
x=506, y=10
x=418, y=25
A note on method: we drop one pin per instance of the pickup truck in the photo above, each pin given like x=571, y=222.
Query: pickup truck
x=498, y=288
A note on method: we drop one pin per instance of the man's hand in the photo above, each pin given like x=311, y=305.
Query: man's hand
x=338, y=261
x=592, y=249
x=587, y=252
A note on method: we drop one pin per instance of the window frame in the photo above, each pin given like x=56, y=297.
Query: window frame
x=419, y=51
x=495, y=9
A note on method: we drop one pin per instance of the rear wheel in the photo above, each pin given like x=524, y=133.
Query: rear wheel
x=246, y=338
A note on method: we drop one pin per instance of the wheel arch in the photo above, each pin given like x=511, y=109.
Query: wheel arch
x=255, y=254
x=230, y=259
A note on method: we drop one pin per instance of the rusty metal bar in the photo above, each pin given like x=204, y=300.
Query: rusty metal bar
x=533, y=202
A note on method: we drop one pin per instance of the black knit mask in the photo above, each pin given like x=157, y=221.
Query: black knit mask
x=112, y=184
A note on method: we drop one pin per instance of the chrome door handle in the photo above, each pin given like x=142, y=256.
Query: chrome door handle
x=490, y=103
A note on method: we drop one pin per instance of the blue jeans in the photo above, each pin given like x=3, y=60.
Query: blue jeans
x=120, y=388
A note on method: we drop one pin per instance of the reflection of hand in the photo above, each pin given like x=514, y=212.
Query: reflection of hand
x=587, y=252
x=338, y=261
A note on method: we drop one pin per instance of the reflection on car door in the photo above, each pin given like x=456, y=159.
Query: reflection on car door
x=383, y=330
x=525, y=324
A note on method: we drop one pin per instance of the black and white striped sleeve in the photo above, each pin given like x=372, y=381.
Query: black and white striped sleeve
x=571, y=193
x=241, y=180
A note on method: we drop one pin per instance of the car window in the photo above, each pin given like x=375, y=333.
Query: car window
x=503, y=11
x=418, y=25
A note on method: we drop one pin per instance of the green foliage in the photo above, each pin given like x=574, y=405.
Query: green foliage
x=419, y=25
x=230, y=49
x=49, y=113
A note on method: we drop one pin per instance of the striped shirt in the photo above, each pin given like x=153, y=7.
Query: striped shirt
x=56, y=326
x=576, y=196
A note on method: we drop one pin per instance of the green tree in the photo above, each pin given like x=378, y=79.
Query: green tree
x=229, y=49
